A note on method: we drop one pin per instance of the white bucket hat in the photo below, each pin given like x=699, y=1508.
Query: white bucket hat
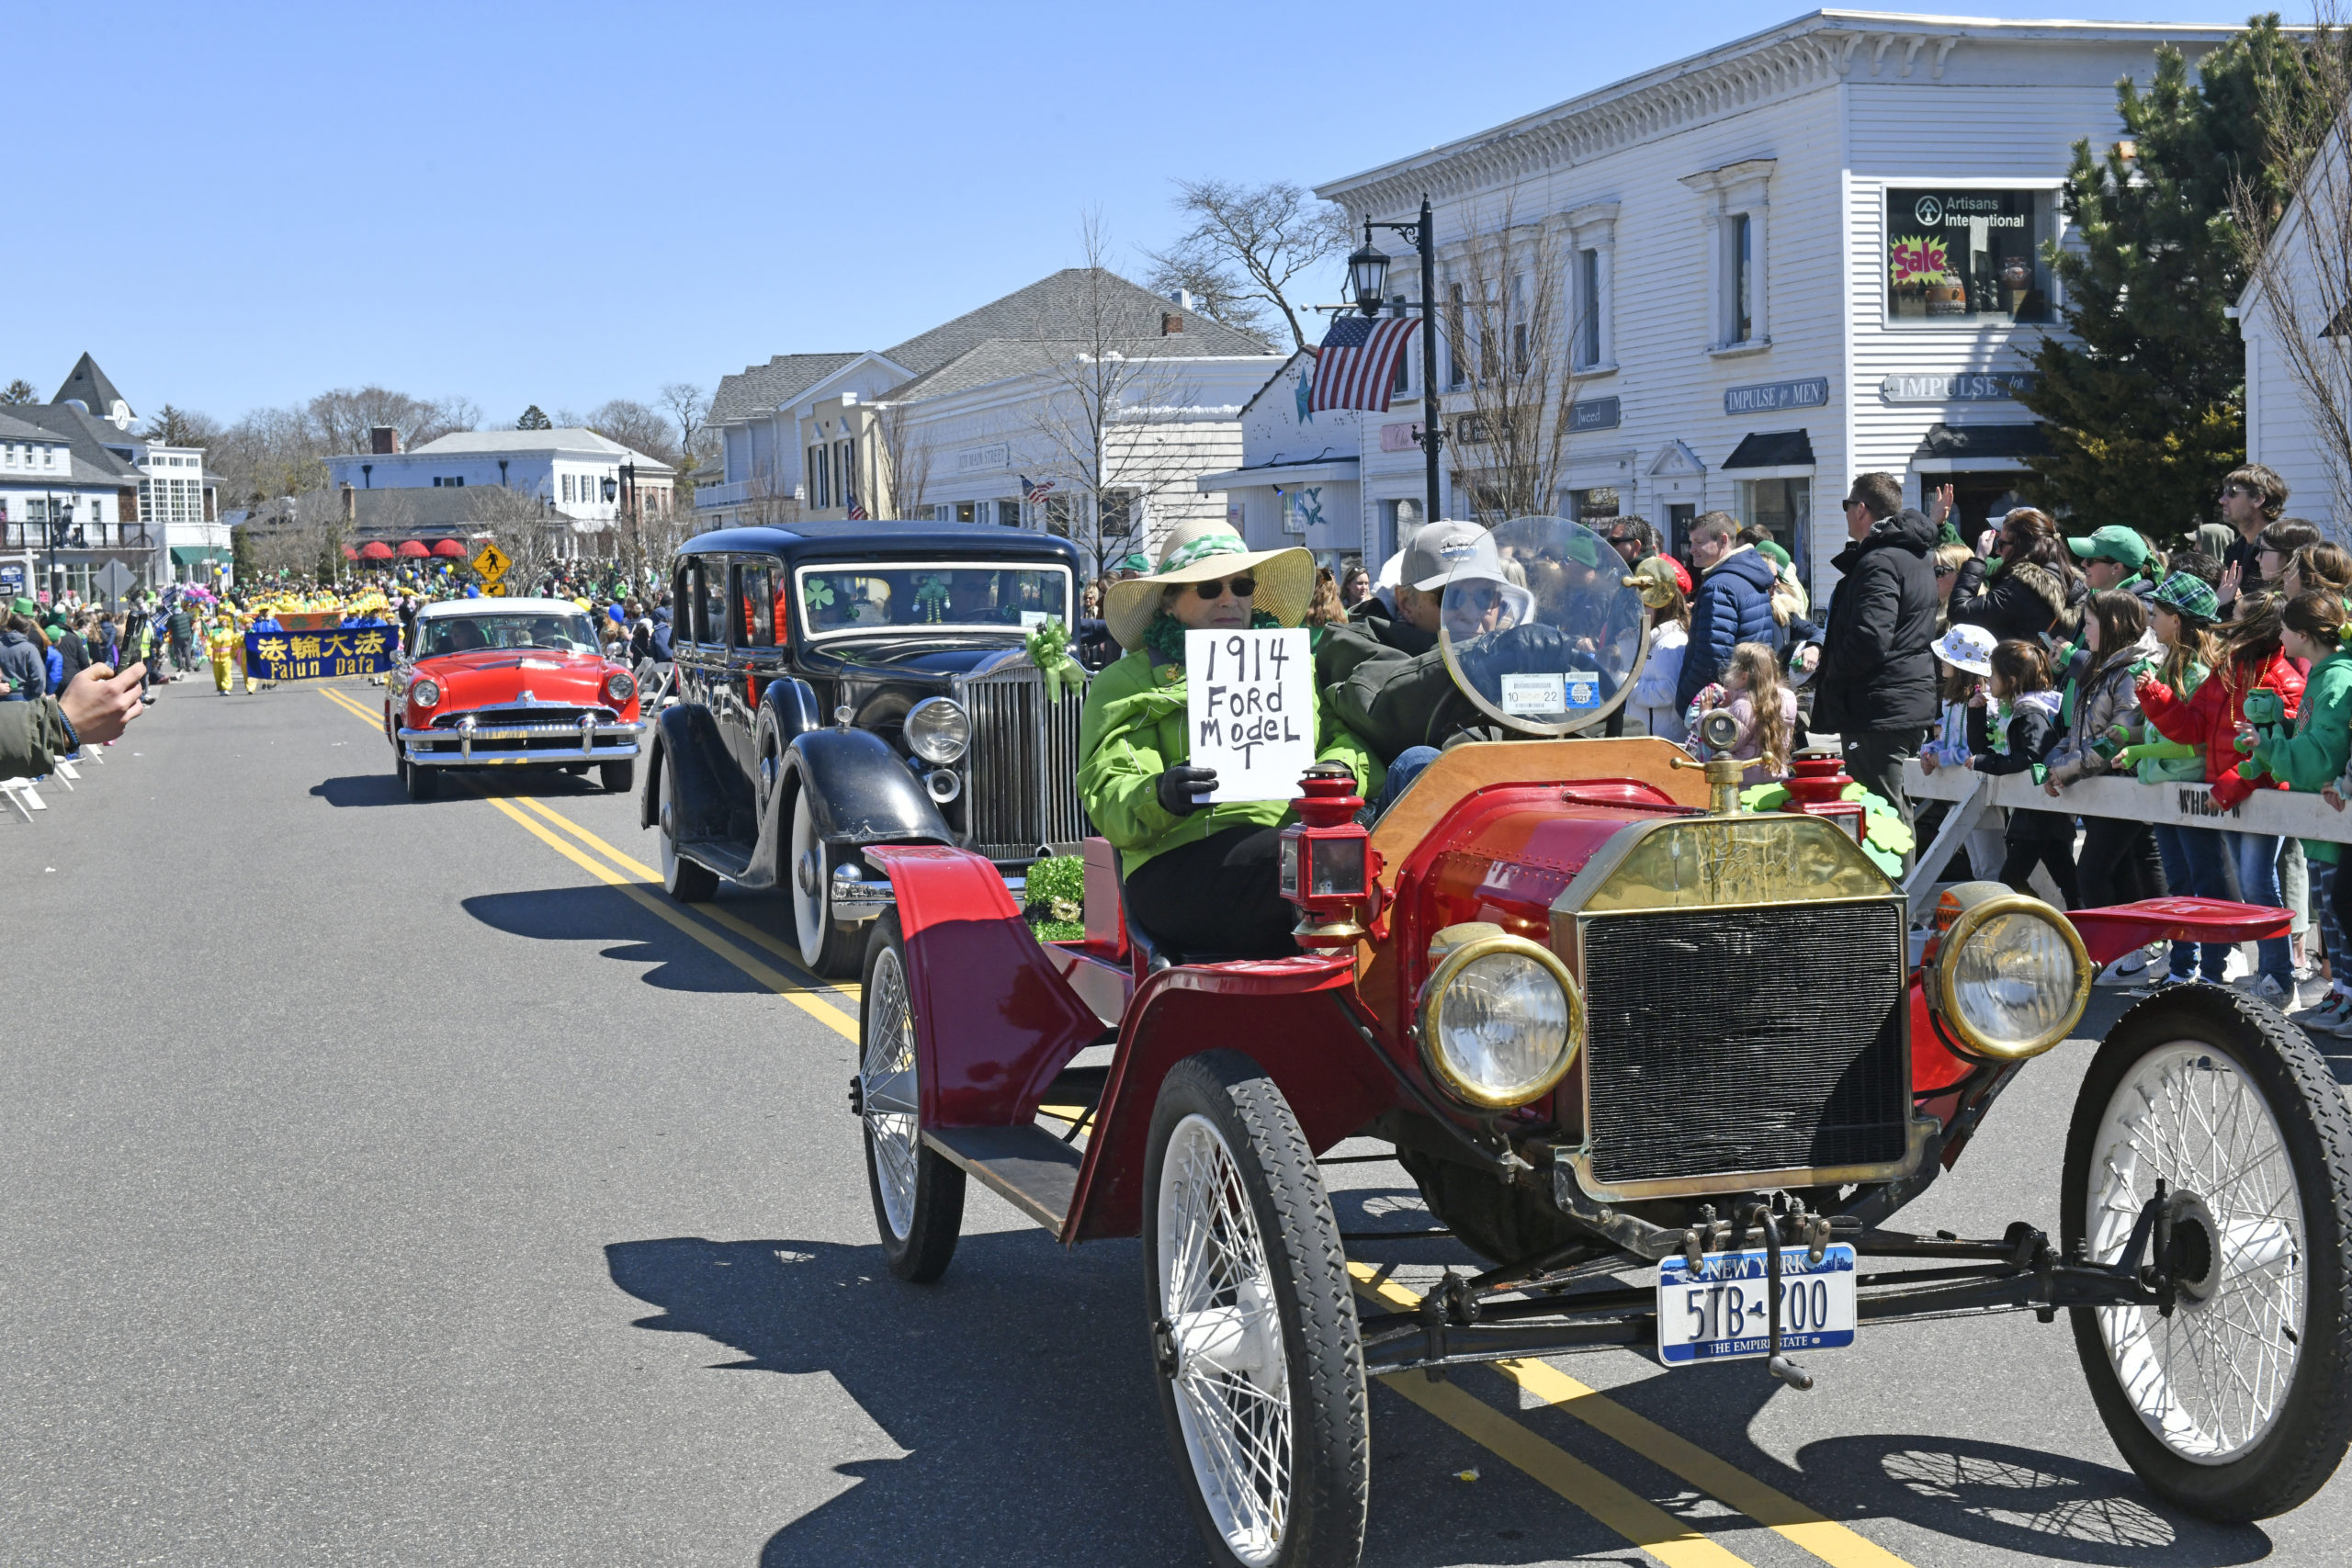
x=1209, y=552
x=1967, y=648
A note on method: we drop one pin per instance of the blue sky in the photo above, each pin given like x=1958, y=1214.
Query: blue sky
x=561, y=204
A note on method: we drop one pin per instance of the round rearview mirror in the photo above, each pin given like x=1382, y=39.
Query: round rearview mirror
x=1539, y=626
x=1720, y=731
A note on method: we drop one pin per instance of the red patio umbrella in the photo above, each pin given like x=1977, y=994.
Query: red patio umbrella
x=410, y=548
x=453, y=549
x=350, y=554
x=375, y=550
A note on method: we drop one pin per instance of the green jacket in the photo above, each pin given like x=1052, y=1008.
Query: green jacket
x=32, y=737
x=2309, y=753
x=1133, y=730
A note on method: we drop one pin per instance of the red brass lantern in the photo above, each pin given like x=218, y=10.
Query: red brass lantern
x=1816, y=782
x=1327, y=859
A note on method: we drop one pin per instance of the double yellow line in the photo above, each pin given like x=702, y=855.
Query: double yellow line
x=641, y=885
x=1670, y=1540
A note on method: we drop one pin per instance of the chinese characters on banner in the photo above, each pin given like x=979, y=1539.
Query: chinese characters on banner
x=298, y=656
x=1250, y=710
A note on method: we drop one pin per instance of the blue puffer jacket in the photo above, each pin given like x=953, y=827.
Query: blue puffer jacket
x=1733, y=604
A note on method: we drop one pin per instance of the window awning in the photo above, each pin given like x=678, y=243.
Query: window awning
x=189, y=555
x=1335, y=471
x=1956, y=448
x=1772, y=449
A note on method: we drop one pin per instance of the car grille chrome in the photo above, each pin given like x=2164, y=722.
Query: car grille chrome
x=1724, y=1042
x=1021, y=773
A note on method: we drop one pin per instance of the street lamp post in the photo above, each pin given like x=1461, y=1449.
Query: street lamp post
x=56, y=537
x=1368, y=272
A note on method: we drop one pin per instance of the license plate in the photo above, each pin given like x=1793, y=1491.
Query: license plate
x=1720, y=1312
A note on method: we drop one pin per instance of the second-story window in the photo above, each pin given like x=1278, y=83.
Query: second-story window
x=1739, y=278
x=1588, y=308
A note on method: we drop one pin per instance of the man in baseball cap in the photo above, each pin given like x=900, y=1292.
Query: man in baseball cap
x=2115, y=556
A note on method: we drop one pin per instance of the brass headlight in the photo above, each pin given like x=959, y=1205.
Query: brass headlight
x=2011, y=974
x=1502, y=1019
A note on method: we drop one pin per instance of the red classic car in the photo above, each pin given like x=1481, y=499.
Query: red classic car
x=510, y=683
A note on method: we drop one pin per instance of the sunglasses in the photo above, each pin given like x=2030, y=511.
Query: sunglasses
x=1243, y=588
x=1625, y=542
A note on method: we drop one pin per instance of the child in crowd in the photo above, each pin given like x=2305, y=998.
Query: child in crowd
x=1651, y=700
x=2118, y=862
x=2311, y=754
x=2195, y=863
x=2250, y=658
x=1966, y=654
x=1757, y=695
x=2013, y=733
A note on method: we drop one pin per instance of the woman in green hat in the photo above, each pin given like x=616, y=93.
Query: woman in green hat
x=1200, y=877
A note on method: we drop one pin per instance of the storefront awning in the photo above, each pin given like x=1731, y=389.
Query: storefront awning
x=1957, y=448
x=189, y=555
x=1336, y=470
x=1772, y=449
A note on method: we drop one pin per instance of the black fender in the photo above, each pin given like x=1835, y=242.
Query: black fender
x=710, y=793
x=794, y=703
x=860, y=791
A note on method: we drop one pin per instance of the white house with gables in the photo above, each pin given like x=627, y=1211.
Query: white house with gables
x=1808, y=253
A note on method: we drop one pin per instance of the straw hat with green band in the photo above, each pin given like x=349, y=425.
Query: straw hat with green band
x=1210, y=552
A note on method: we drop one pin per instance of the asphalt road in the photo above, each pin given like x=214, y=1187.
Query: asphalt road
x=384, y=1184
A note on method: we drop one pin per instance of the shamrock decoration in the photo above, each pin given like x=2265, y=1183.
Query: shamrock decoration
x=1886, y=839
x=1049, y=651
x=820, y=594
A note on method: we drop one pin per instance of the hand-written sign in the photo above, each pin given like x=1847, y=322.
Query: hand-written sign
x=299, y=655
x=1250, y=710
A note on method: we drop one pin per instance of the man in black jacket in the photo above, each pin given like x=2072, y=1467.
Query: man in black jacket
x=1876, y=686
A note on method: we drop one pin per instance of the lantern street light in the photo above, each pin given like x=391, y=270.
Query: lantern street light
x=1368, y=273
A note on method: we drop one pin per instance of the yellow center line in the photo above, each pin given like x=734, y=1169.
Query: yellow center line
x=740, y=927
x=1823, y=1538
x=790, y=990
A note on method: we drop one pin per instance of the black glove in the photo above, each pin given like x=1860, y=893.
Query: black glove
x=1180, y=783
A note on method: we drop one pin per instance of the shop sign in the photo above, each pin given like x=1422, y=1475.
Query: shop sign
x=1976, y=387
x=1769, y=397
x=1593, y=413
x=1401, y=437
x=976, y=458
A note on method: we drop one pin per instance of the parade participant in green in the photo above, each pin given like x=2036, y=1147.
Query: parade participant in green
x=1200, y=877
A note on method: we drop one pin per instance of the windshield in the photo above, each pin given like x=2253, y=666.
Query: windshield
x=1539, y=629
x=471, y=634
x=850, y=599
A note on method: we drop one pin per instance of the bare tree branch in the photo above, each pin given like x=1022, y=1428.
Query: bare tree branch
x=1247, y=247
x=1511, y=330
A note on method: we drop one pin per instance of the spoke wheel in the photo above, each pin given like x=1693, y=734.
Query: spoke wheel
x=918, y=1194
x=2236, y=1405
x=682, y=878
x=1253, y=1327
x=827, y=949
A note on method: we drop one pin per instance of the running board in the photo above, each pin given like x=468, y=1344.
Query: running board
x=1027, y=1167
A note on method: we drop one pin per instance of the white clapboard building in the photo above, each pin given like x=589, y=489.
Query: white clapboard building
x=1806, y=255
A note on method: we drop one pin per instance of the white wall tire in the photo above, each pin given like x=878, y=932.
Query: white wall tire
x=828, y=949
x=2237, y=1405
x=1253, y=1326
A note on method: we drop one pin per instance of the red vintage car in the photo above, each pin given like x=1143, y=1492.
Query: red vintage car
x=1671, y=1064
x=510, y=683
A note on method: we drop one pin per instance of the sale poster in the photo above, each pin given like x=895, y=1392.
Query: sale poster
x=1249, y=709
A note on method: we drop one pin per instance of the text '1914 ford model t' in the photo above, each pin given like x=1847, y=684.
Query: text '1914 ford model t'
x=1611, y=1022
x=847, y=684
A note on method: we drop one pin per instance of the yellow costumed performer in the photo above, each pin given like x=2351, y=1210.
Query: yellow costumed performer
x=221, y=640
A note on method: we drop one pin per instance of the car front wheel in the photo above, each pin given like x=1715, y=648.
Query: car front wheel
x=2237, y=1403
x=619, y=778
x=422, y=782
x=1253, y=1330
x=918, y=1194
x=829, y=949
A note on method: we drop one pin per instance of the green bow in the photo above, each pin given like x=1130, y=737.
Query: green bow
x=1049, y=651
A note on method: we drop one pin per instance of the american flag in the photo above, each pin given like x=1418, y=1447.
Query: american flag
x=1357, y=364
x=857, y=509
x=1033, y=491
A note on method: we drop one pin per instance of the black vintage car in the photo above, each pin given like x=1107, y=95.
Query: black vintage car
x=851, y=684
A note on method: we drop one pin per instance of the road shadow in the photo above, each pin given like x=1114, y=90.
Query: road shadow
x=1020, y=1387
x=362, y=789
x=591, y=914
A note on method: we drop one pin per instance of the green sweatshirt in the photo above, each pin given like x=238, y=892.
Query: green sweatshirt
x=2308, y=754
x=1133, y=730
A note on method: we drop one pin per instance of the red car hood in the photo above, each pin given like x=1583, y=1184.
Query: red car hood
x=503, y=675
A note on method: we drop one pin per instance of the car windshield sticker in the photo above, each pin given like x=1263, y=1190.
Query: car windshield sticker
x=1584, y=688
x=1527, y=695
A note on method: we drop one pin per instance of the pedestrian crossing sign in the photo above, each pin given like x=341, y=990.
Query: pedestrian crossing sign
x=491, y=564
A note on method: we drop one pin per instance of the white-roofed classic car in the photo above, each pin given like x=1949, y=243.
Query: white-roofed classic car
x=844, y=684
x=509, y=683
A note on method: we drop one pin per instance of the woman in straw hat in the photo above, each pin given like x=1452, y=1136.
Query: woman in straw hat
x=1200, y=877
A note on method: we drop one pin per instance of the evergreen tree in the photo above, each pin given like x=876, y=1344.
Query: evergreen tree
x=2144, y=411
x=534, y=420
x=18, y=391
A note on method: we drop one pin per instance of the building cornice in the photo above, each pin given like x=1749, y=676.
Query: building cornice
x=1808, y=54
